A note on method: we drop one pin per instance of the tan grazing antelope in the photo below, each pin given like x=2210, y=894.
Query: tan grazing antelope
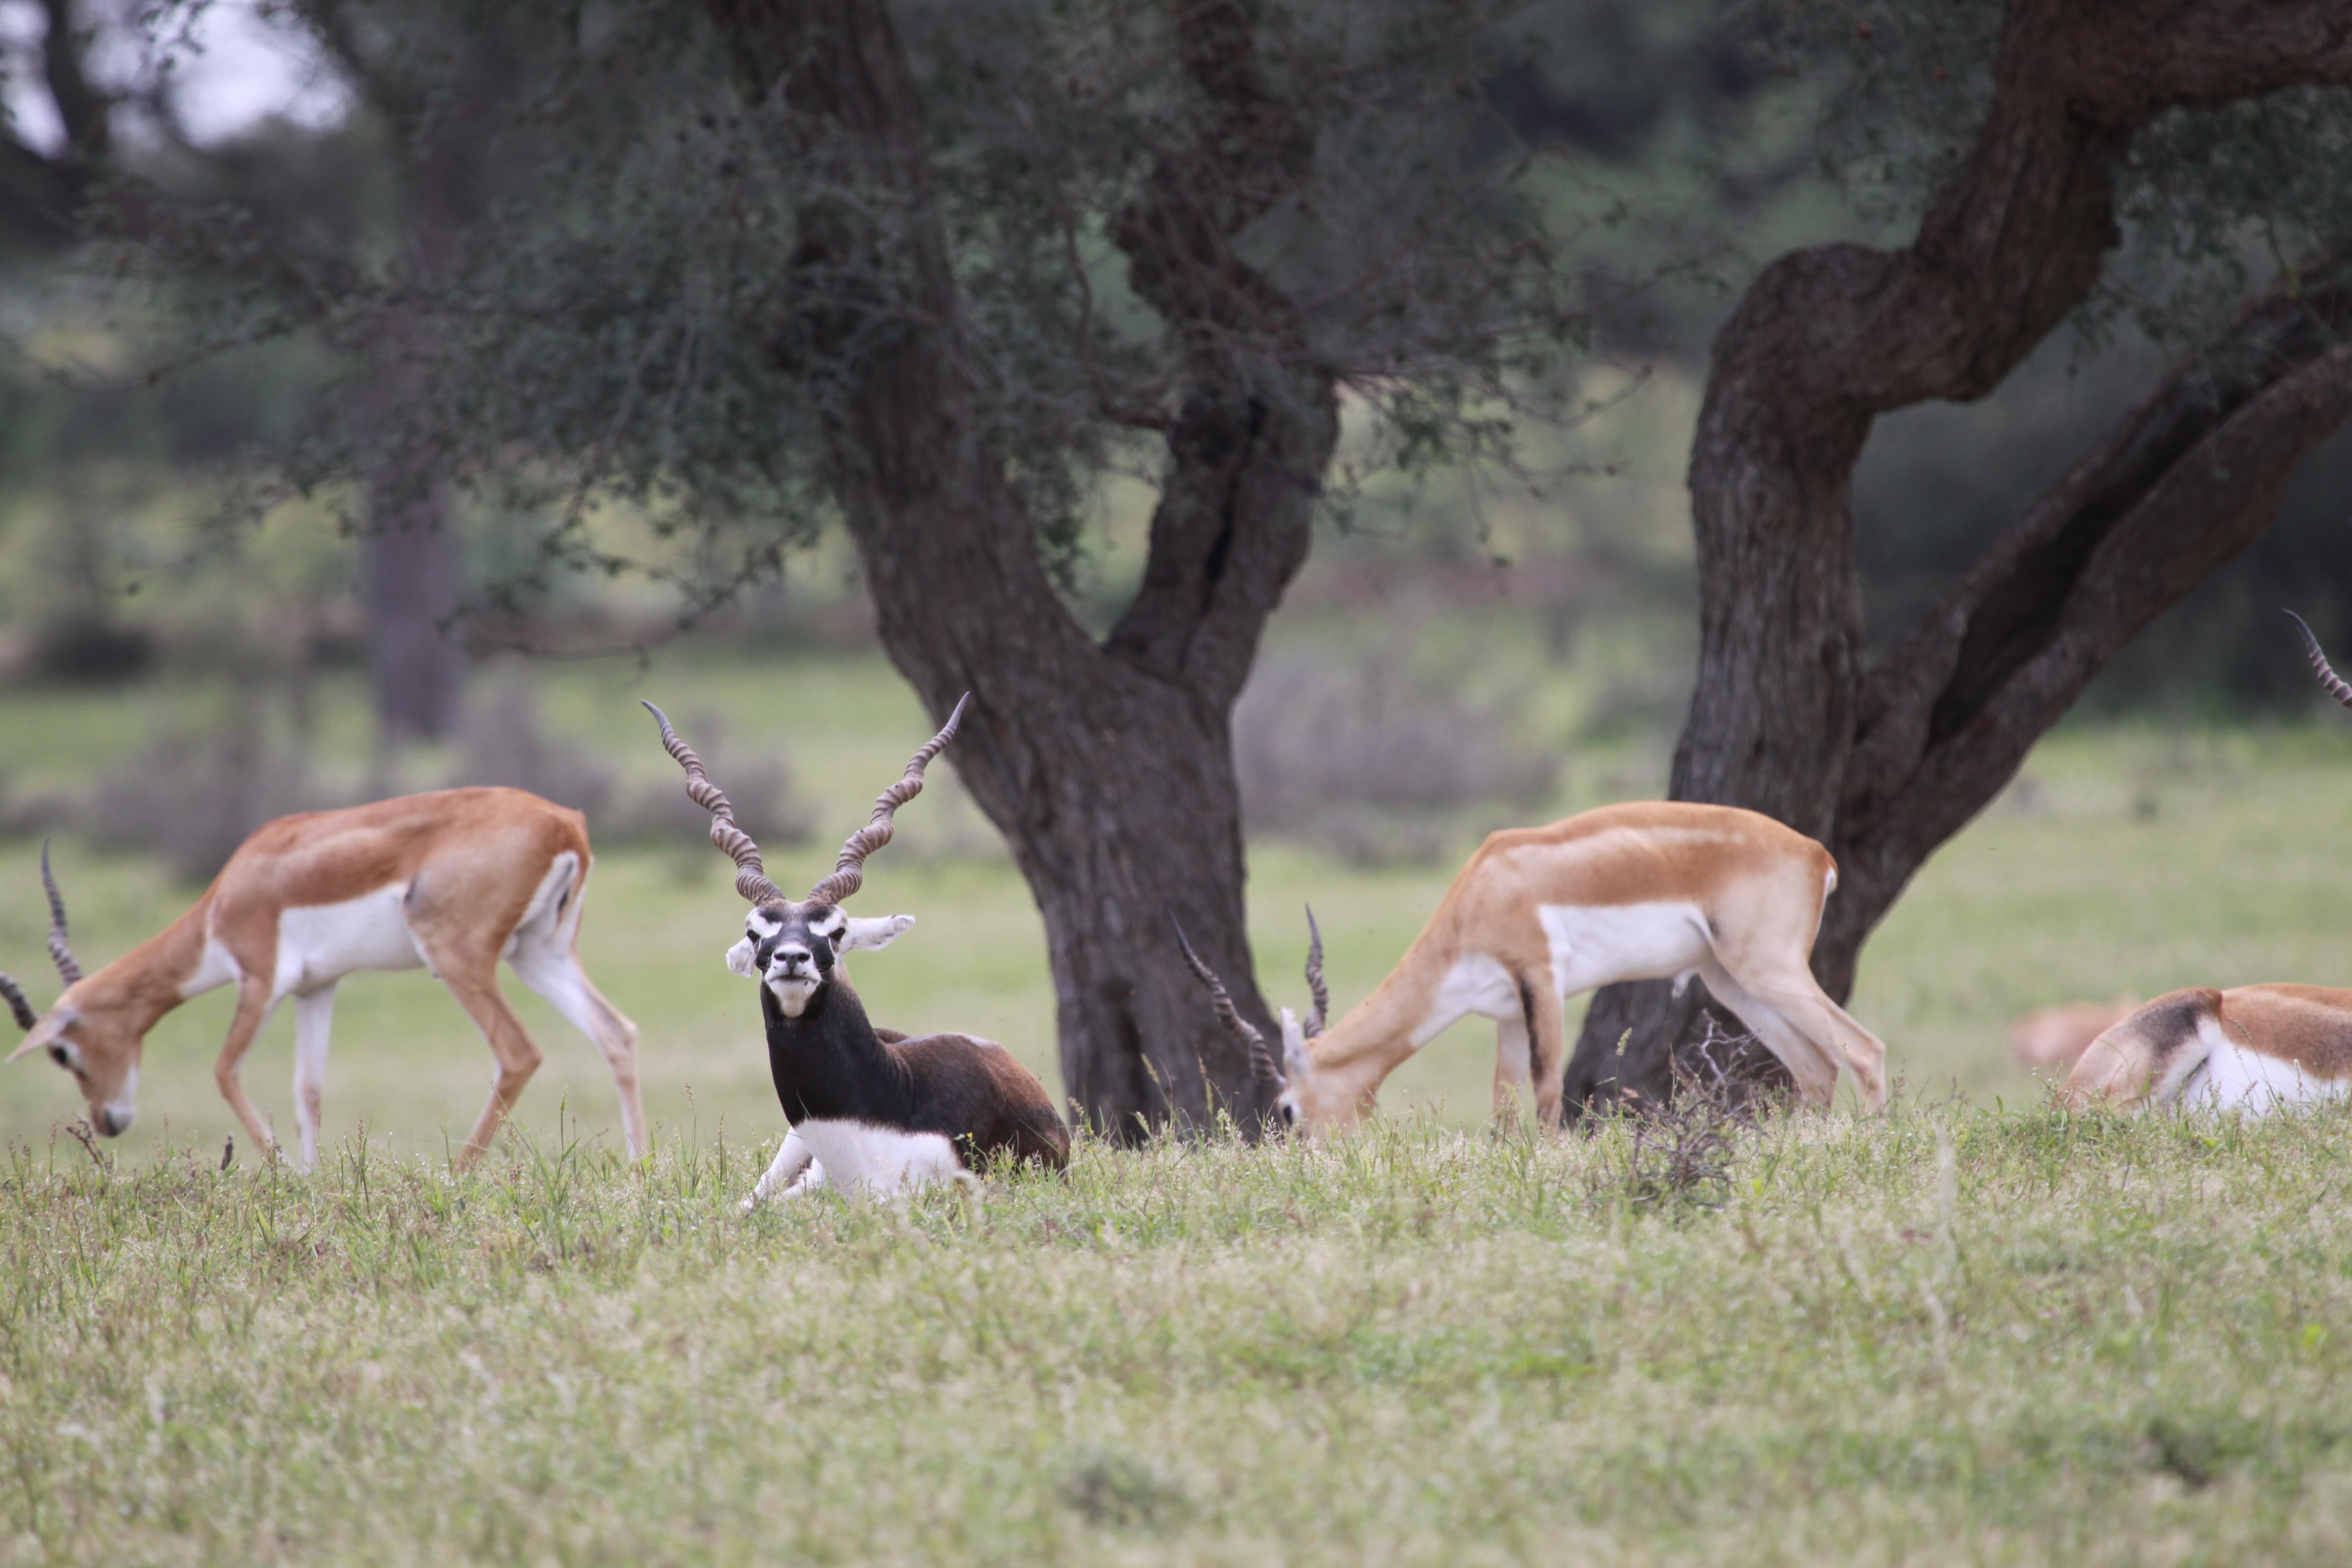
x=2255, y=1047
x=452, y=881
x=1650, y=890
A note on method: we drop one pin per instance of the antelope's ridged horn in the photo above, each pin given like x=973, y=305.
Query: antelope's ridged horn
x=26, y=1017
x=750, y=876
x=59, y=953
x=2335, y=685
x=1315, y=986
x=1261, y=1060
x=848, y=874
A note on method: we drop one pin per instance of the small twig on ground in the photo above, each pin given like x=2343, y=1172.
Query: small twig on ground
x=87, y=1136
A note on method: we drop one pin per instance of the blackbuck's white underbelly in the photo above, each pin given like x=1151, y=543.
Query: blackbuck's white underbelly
x=1596, y=946
x=883, y=1159
x=2232, y=1078
x=320, y=943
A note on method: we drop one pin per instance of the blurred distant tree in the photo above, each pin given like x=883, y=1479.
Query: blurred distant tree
x=274, y=213
x=2218, y=135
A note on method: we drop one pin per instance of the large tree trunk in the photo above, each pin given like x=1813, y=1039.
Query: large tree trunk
x=1884, y=765
x=1107, y=765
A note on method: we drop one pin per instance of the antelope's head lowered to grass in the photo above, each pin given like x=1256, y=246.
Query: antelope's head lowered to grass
x=1644, y=890
x=95, y=1028
x=793, y=945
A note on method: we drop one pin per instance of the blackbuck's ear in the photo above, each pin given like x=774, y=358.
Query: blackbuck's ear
x=1293, y=1046
x=865, y=935
x=738, y=958
x=45, y=1031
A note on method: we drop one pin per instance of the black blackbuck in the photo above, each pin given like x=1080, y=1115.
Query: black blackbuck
x=870, y=1108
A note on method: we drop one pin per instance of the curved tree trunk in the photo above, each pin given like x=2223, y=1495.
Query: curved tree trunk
x=1885, y=764
x=1108, y=766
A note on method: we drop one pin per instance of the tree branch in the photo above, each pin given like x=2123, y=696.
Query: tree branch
x=1256, y=425
x=41, y=195
x=1783, y=718
x=398, y=102
x=2185, y=481
x=81, y=107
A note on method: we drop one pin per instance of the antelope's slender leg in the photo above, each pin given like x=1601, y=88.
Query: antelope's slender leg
x=1510, y=1067
x=314, y=1013
x=555, y=973
x=1812, y=1062
x=471, y=973
x=791, y=1168
x=1547, y=1044
x=1799, y=998
x=253, y=1003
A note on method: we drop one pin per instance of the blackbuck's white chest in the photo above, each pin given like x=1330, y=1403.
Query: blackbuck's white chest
x=882, y=1159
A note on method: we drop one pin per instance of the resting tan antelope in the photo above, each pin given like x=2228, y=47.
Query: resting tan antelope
x=452, y=881
x=2052, y=1040
x=1647, y=891
x=2255, y=1047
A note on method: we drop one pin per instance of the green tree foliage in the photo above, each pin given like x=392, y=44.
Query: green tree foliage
x=621, y=321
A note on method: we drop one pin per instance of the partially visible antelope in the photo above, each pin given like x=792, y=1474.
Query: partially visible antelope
x=2253, y=1048
x=1648, y=890
x=867, y=1108
x=2052, y=1040
x=452, y=881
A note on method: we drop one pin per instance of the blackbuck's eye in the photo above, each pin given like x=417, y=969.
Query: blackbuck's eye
x=57, y=1055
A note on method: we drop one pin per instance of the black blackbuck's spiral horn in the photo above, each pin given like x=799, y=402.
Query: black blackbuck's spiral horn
x=750, y=876
x=848, y=873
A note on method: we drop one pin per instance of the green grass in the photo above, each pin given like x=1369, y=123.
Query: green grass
x=1949, y=1336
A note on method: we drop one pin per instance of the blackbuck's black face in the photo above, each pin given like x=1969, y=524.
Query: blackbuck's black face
x=794, y=948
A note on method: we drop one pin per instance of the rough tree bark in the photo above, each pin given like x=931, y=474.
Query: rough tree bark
x=1883, y=764
x=1107, y=765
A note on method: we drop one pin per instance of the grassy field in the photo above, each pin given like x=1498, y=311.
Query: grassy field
x=1977, y=1331
x=1951, y=1336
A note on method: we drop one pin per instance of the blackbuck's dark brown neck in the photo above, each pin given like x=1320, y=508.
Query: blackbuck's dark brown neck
x=828, y=1064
